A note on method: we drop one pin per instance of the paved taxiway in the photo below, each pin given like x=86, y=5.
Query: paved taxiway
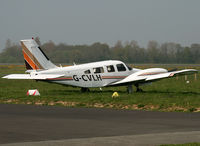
x=48, y=125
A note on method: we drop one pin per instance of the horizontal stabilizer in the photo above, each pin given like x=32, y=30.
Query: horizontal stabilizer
x=35, y=77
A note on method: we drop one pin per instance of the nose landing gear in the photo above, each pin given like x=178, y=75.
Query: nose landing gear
x=130, y=89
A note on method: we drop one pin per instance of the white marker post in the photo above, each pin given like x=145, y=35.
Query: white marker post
x=33, y=92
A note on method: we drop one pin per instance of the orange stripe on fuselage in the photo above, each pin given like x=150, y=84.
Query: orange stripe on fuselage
x=60, y=78
x=113, y=77
x=30, y=62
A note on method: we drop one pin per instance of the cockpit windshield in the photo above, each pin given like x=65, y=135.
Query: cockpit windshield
x=129, y=68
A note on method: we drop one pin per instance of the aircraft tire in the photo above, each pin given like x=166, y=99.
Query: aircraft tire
x=85, y=90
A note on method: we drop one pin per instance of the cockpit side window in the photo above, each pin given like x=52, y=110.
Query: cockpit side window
x=87, y=71
x=121, y=67
x=98, y=70
x=110, y=68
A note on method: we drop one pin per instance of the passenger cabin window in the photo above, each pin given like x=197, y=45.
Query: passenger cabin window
x=98, y=70
x=87, y=71
x=121, y=67
x=110, y=68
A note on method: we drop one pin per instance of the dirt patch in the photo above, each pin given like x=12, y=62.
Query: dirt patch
x=107, y=105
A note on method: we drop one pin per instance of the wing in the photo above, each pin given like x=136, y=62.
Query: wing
x=35, y=77
x=136, y=78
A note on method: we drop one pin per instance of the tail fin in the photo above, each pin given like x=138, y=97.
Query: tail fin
x=34, y=57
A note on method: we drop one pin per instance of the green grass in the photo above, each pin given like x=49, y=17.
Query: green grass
x=165, y=95
x=186, y=144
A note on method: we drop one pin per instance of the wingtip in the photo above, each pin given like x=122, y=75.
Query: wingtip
x=4, y=77
x=194, y=70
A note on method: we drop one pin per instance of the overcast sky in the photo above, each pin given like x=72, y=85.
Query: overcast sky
x=106, y=21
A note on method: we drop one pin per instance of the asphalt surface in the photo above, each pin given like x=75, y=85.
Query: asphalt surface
x=27, y=123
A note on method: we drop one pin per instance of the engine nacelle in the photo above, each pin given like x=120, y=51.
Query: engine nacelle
x=151, y=71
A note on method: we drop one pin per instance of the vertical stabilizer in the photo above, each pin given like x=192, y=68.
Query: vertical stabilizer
x=34, y=57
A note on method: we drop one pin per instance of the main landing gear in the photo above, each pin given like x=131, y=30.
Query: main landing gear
x=85, y=90
x=130, y=89
x=138, y=89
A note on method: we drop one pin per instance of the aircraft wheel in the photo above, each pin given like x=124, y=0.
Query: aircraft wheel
x=138, y=89
x=85, y=90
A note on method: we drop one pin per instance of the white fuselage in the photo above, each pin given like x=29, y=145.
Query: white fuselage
x=97, y=74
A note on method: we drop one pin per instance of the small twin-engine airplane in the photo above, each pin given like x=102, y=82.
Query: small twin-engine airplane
x=96, y=74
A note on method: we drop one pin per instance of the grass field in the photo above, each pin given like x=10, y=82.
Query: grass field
x=187, y=144
x=172, y=94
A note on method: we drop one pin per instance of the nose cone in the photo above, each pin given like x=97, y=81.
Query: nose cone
x=164, y=70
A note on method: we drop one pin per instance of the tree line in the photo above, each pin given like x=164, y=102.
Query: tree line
x=129, y=52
